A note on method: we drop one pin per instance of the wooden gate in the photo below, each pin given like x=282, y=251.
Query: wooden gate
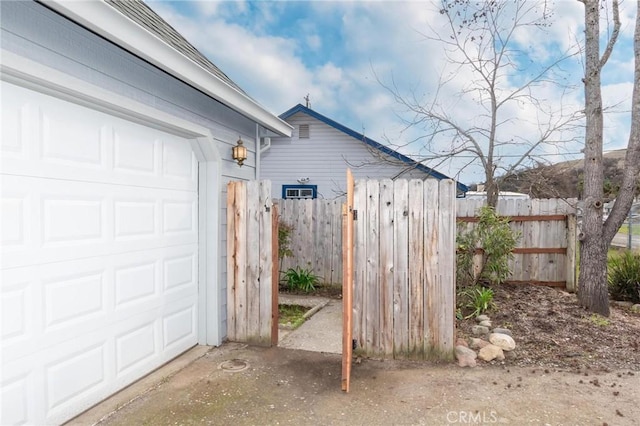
x=404, y=268
x=252, y=289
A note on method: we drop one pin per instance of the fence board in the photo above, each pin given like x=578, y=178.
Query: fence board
x=431, y=206
x=240, y=256
x=360, y=265
x=401, y=269
x=253, y=260
x=386, y=267
x=416, y=268
x=265, y=268
x=446, y=264
x=231, y=261
x=335, y=266
x=372, y=314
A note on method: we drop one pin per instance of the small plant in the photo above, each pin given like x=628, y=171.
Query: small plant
x=292, y=315
x=494, y=241
x=624, y=277
x=478, y=299
x=300, y=279
x=599, y=320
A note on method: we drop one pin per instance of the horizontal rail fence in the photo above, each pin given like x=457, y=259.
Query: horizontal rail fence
x=546, y=250
x=404, y=268
x=316, y=237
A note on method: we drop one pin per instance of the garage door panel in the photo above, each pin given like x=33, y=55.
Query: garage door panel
x=45, y=137
x=99, y=363
x=136, y=346
x=15, y=406
x=57, y=218
x=61, y=300
x=135, y=153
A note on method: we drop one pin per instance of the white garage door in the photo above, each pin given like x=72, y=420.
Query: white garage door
x=99, y=258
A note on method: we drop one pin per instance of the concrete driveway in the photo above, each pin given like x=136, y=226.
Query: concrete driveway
x=240, y=385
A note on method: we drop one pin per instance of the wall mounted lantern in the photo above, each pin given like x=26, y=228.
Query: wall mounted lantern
x=239, y=152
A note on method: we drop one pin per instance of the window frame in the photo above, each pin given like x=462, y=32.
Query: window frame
x=313, y=188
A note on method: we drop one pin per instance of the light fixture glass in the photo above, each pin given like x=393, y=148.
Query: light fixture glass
x=239, y=152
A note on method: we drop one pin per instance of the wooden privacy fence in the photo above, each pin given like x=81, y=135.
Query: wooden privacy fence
x=546, y=250
x=252, y=272
x=316, y=236
x=404, y=268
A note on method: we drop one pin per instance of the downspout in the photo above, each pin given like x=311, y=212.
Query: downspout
x=258, y=151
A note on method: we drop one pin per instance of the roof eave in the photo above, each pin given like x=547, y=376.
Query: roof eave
x=108, y=22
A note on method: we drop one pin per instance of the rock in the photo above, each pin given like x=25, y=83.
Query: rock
x=478, y=343
x=491, y=352
x=481, y=318
x=465, y=356
x=503, y=341
x=502, y=331
x=485, y=323
x=479, y=330
x=461, y=342
x=636, y=308
x=510, y=354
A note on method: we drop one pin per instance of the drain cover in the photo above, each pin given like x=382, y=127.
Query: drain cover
x=234, y=365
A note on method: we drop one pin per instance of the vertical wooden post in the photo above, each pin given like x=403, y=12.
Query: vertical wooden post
x=347, y=285
x=572, y=252
x=275, y=275
x=231, y=261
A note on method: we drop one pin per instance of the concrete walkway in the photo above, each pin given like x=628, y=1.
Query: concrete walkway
x=320, y=333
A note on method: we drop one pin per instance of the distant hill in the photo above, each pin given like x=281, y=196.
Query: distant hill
x=564, y=180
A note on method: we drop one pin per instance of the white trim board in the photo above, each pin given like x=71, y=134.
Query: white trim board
x=114, y=26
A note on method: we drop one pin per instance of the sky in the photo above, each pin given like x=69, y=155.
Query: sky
x=346, y=55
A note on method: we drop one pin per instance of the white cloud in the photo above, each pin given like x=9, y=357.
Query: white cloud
x=382, y=37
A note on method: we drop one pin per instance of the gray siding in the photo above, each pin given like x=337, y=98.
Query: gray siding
x=324, y=159
x=41, y=35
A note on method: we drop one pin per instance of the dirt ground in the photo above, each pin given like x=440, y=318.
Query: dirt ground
x=567, y=370
x=552, y=330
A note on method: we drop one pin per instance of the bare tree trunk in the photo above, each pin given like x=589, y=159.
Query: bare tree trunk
x=491, y=187
x=592, y=283
x=632, y=160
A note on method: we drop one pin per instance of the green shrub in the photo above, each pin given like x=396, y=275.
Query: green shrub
x=284, y=240
x=624, y=277
x=496, y=240
x=299, y=279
